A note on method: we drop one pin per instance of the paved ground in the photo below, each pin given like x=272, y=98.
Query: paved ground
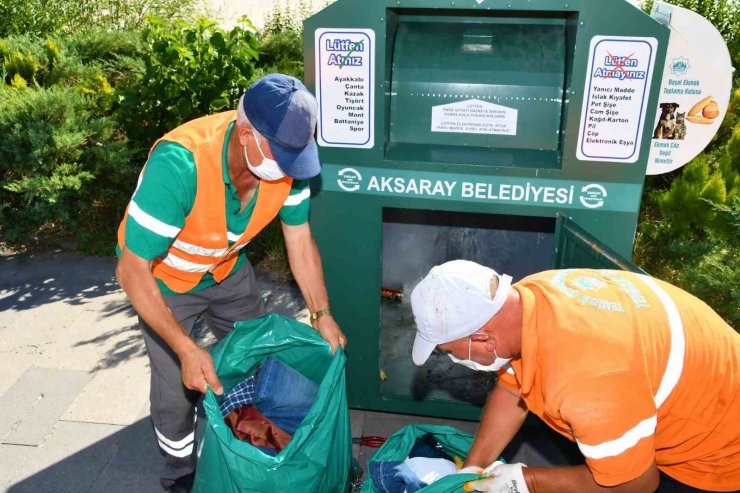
x=74, y=381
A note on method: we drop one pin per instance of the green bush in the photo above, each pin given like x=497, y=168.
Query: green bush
x=26, y=57
x=117, y=55
x=22, y=64
x=687, y=205
x=62, y=166
x=65, y=162
x=287, y=18
x=102, y=45
x=281, y=52
x=190, y=70
x=709, y=269
x=50, y=61
x=36, y=17
x=77, y=116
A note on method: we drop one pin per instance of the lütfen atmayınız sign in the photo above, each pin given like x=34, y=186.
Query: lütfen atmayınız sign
x=615, y=98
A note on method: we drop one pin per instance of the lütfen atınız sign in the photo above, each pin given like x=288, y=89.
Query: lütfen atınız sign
x=615, y=98
x=345, y=80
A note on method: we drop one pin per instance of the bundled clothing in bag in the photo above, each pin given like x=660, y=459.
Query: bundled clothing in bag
x=418, y=452
x=319, y=455
x=250, y=425
x=427, y=462
x=267, y=407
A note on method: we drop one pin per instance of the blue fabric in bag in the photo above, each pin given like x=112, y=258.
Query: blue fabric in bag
x=394, y=477
x=283, y=395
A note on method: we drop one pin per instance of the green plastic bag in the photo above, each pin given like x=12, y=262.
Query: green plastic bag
x=319, y=456
x=398, y=446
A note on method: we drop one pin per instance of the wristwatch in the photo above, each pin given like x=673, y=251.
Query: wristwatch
x=319, y=313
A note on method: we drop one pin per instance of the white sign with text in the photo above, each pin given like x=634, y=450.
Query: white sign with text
x=617, y=88
x=345, y=81
x=474, y=117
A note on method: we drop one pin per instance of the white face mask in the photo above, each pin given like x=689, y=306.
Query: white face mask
x=497, y=364
x=268, y=170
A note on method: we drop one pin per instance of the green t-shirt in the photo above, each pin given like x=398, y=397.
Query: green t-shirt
x=165, y=195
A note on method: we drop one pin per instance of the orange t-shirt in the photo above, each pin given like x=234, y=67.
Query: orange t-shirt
x=634, y=370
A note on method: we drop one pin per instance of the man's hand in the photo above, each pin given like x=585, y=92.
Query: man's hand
x=198, y=371
x=503, y=478
x=330, y=332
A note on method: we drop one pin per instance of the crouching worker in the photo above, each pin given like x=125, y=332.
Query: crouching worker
x=208, y=188
x=643, y=376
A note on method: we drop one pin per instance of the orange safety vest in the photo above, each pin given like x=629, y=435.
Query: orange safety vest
x=202, y=245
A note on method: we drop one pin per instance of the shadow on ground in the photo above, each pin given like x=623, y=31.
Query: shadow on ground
x=129, y=344
x=126, y=461
x=32, y=280
x=85, y=284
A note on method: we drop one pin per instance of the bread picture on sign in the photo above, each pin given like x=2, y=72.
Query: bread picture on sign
x=704, y=112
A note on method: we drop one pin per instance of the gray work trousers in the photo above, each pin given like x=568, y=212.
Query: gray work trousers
x=172, y=405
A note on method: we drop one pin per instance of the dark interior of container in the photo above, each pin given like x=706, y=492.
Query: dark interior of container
x=416, y=240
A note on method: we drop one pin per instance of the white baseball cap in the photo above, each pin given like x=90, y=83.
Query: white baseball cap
x=453, y=301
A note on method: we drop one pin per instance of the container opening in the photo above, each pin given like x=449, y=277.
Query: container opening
x=416, y=240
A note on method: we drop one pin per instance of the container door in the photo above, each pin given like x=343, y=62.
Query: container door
x=577, y=248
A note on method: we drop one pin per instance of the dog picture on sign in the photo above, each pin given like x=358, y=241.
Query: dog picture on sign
x=671, y=124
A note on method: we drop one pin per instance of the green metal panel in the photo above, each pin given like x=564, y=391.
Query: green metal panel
x=538, y=49
x=577, y=248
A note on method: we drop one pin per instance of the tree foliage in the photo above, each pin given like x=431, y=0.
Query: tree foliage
x=191, y=70
x=70, y=17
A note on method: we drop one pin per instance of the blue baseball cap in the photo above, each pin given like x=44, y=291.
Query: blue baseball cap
x=284, y=112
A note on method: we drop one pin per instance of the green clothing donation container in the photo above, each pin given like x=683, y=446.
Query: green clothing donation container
x=511, y=133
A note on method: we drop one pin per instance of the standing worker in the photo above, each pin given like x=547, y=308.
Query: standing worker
x=643, y=376
x=208, y=188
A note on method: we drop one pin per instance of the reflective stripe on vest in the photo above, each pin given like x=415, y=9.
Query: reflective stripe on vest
x=179, y=263
x=674, y=368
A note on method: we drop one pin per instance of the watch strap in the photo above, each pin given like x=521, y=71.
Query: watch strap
x=320, y=313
